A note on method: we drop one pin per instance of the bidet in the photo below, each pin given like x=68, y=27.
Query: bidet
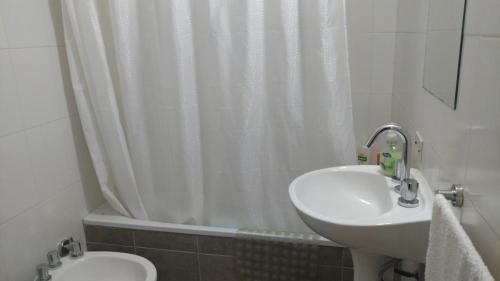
x=74, y=265
x=104, y=266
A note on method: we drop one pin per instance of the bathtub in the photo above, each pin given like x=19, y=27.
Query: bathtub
x=107, y=217
x=194, y=252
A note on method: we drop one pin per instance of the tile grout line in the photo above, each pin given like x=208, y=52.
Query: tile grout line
x=133, y=242
x=35, y=205
x=36, y=126
x=163, y=249
x=41, y=46
x=110, y=244
x=342, y=265
x=215, y=255
x=198, y=258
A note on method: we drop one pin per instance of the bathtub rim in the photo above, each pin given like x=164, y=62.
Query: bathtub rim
x=107, y=217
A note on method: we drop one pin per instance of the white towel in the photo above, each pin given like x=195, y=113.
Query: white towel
x=451, y=255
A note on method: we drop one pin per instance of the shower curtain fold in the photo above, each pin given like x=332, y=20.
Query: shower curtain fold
x=202, y=112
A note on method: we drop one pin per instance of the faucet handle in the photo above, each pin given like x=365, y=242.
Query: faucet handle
x=53, y=259
x=409, y=192
x=400, y=169
x=75, y=248
x=42, y=272
x=399, y=175
x=71, y=247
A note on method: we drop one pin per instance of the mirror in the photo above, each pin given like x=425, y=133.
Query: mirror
x=444, y=37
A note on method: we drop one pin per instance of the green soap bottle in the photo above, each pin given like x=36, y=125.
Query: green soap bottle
x=390, y=156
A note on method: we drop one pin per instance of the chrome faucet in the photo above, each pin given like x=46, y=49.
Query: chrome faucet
x=75, y=248
x=69, y=246
x=408, y=187
x=42, y=272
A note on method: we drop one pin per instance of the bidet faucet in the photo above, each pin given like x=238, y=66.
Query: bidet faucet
x=408, y=187
x=69, y=246
x=42, y=272
x=75, y=248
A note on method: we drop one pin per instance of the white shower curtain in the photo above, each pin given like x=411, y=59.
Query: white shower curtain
x=203, y=111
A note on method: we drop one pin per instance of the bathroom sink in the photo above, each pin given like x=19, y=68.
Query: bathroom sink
x=356, y=206
x=105, y=266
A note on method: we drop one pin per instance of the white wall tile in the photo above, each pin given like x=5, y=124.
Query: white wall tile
x=10, y=118
x=27, y=238
x=52, y=158
x=483, y=18
x=3, y=38
x=382, y=66
x=40, y=84
x=430, y=166
x=360, y=54
x=482, y=236
x=359, y=16
x=61, y=218
x=408, y=66
x=361, y=113
x=385, y=15
x=380, y=110
x=16, y=179
x=482, y=175
x=3, y=274
x=412, y=16
x=445, y=15
x=29, y=23
x=20, y=246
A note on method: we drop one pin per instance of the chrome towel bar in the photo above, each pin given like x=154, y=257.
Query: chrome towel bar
x=455, y=194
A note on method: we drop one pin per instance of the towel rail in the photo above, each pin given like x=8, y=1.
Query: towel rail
x=455, y=194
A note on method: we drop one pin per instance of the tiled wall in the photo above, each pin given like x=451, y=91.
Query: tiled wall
x=460, y=146
x=371, y=26
x=46, y=180
x=182, y=257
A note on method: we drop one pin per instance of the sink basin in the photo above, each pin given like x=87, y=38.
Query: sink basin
x=105, y=266
x=356, y=206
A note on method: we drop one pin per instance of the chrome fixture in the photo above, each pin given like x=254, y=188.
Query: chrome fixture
x=409, y=192
x=53, y=259
x=455, y=194
x=408, y=187
x=75, y=248
x=42, y=272
x=70, y=247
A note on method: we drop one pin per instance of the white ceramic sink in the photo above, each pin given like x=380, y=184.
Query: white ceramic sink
x=356, y=206
x=105, y=266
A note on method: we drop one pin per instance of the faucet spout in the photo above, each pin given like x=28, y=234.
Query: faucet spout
x=408, y=187
x=398, y=130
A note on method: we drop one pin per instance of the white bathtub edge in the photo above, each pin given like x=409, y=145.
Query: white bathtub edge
x=105, y=216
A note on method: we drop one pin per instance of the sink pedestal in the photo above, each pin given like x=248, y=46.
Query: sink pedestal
x=366, y=265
